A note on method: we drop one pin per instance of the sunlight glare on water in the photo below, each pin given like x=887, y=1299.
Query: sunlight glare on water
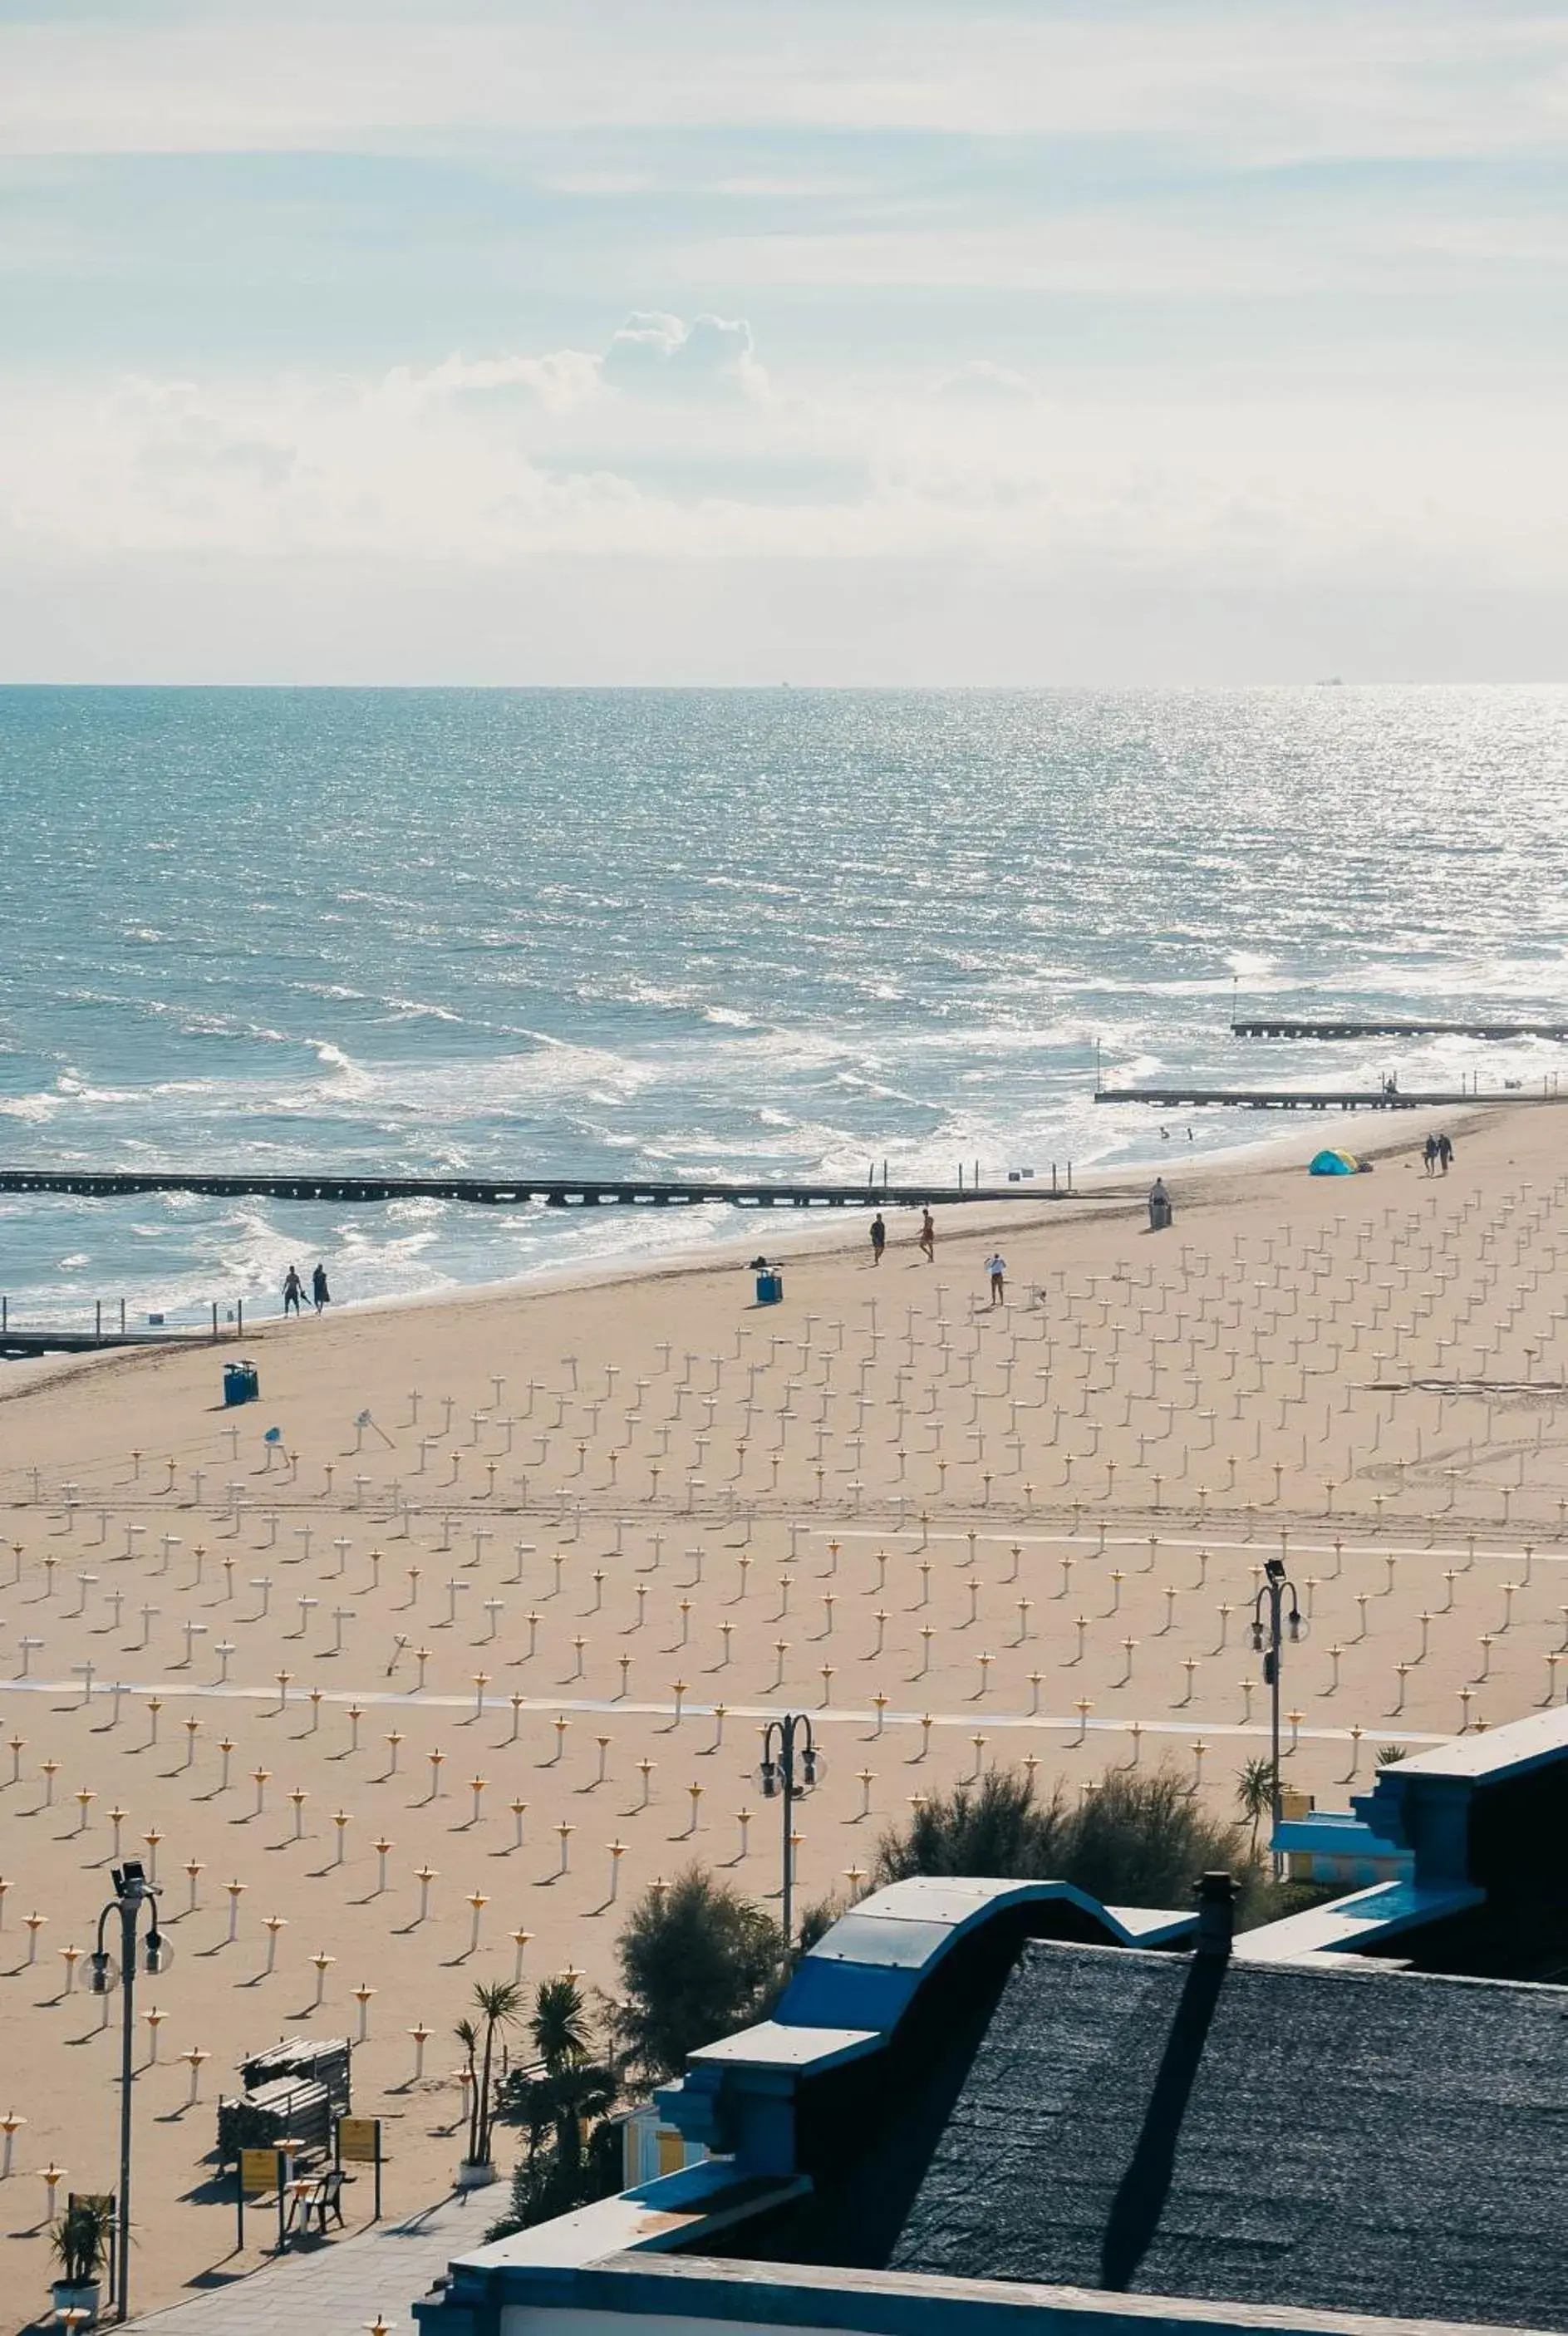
x=772, y=933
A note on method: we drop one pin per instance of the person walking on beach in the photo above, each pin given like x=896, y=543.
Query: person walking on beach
x=1445, y=1154
x=1159, y=1206
x=879, y=1238
x=293, y=1290
x=319, y=1288
x=1430, y=1156
x=927, y=1237
x=997, y=1269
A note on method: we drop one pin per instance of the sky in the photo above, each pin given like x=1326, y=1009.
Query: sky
x=881, y=342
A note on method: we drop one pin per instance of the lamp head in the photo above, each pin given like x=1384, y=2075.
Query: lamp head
x=1258, y=1638
x=1274, y=1567
x=767, y=1778
x=98, y=1978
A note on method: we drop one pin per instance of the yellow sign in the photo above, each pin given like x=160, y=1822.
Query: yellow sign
x=258, y=2170
x=359, y=2140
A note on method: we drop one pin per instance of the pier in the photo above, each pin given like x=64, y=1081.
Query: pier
x=517, y=1192
x=1179, y=1097
x=1279, y=1025
x=111, y=1326
x=19, y=1343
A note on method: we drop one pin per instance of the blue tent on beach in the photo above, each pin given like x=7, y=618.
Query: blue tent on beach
x=1335, y=1164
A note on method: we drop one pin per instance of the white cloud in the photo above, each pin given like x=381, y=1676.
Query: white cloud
x=557, y=381
x=651, y=353
x=435, y=465
x=656, y=352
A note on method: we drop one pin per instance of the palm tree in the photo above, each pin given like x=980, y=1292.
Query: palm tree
x=563, y=2099
x=498, y=2003
x=558, y=2023
x=574, y=2089
x=467, y=2034
x=1255, y=1796
x=580, y=2092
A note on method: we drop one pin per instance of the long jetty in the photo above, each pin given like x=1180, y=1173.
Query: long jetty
x=512, y=1192
x=1178, y=1098
x=1280, y=1025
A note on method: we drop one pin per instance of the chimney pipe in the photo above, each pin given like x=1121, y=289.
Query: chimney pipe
x=1216, y=1915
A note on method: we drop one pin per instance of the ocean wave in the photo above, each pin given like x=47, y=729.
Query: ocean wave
x=348, y=1076
x=579, y=941
x=414, y=1009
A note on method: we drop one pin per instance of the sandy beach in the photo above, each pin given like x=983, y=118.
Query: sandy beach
x=518, y=1629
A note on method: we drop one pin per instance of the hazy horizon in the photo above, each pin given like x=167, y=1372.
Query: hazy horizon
x=510, y=342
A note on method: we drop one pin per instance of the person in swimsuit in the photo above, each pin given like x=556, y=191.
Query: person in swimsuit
x=927, y=1237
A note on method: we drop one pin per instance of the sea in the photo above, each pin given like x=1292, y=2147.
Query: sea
x=773, y=933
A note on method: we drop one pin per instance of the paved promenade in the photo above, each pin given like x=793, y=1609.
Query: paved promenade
x=341, y=2287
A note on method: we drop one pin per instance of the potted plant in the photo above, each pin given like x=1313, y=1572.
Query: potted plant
x=80, y=2243
x=498, y=2004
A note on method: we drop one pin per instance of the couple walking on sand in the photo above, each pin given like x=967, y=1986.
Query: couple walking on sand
x=1438, y=1154
x=927, y=1243
x=293, y=1290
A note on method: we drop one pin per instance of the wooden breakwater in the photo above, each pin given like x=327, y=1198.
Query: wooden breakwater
x=553, y=1191
x=1182, y=1097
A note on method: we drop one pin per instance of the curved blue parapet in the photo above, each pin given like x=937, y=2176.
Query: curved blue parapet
x=865, y=1971
x=848, y=1993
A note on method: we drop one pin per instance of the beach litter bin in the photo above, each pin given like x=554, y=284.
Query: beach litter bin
x=241, y=1383
x=769, y=1287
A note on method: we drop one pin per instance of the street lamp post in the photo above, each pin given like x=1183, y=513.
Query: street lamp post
x=132, y=1892
x=1267, y=1637
x=783, y=1740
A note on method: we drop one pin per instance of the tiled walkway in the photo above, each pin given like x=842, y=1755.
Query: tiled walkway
x=340, y=2289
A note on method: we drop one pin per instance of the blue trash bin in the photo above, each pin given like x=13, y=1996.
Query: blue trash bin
x=241, y=1383
x=769, y=1289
